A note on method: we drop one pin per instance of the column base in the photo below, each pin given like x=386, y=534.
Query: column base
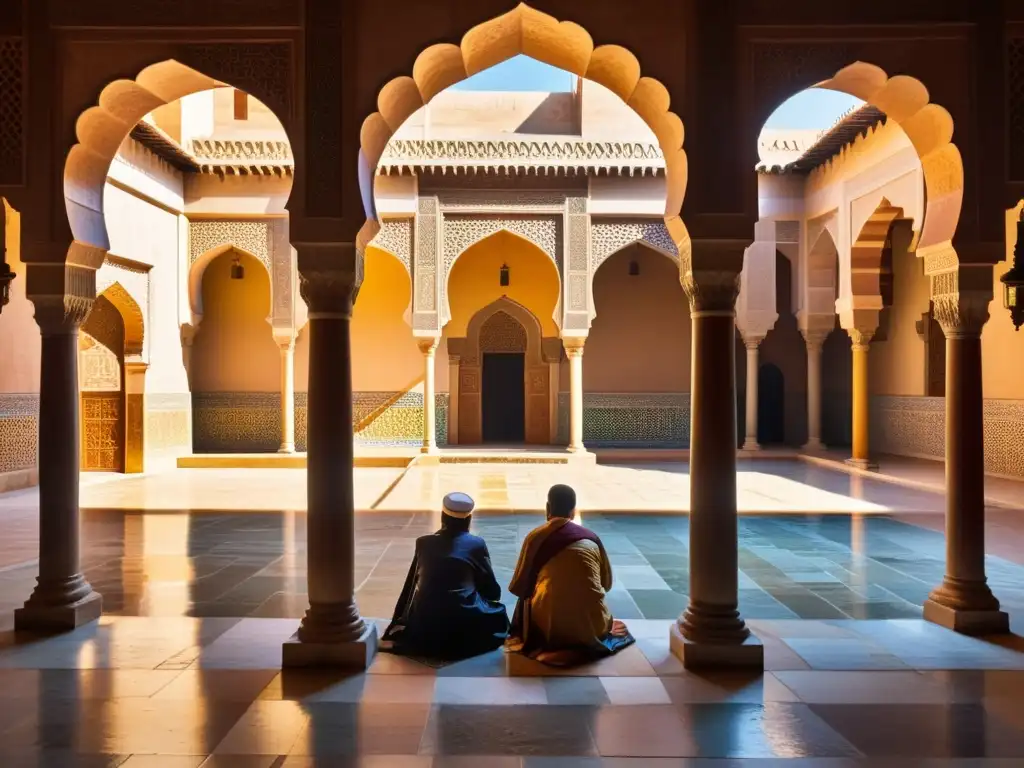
x=750, y=446
x=286, y=448
x=865, y=464
x=353, y=654
x=428, y=449
x=813, y=445
x=36, y=617
x=967, y=622
x=748, y=654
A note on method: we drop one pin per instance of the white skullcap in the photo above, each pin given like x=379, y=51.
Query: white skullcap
x=458, y=505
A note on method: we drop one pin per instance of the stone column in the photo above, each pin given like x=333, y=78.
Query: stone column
x=332, y=632
x=287, y=347
x=62, y=598
x=964, y=602
x=750, y=440
x=711, y=632
x=428, y=346
x=574, y=349
x=860, y=452
x=814, y=343
x=453, y=399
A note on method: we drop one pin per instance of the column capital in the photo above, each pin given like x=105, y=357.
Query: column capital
x=329, y=277
x=454, y=359
x=961, y=297
x=752, y=342
x=814, y=338
x=574, y=345
x=63, y=293
x=861, y=338
x=428, y=344
x=710, y=272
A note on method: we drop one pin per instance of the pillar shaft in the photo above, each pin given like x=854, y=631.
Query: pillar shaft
x=453, y=399
x=964, y=600
x=860, y=454
x=813, y=394
x=330, y=521
x=574, y=350
x=712, y=614
x=428, y=348
x=287, y=396
x=750, y=441
x=62, y=598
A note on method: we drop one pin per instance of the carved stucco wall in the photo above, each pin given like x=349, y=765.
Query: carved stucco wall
x=610, y=235
x=916, y=426
x=134, y=280
x=395, y=237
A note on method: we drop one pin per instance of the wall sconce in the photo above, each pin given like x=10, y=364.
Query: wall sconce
x=1013, y=280
x=237, y=270
x=503, y=276
x=6, y=273
x=634, y=268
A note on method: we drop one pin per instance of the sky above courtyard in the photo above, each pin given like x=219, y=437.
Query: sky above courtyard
x=813, y=109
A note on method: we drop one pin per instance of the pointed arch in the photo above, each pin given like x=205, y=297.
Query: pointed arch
x=198, y=268
x=563, y=44
x=134, y=320
x=870, y=268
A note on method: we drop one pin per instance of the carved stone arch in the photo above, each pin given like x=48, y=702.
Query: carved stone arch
x=871, y=255
x=133, y=318
x=197, y=268
x=563, y=44
x=505, y=326
x=609, y=236
x=395, y=238
x=463, y=232
x=101, y=129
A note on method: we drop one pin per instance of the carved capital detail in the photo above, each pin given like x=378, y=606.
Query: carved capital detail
x=710, y=274
x=428, y=345
x=63, y=295
x=861, y=338
x=329, y=277
x=960, y=299
x=574, y=345
x=814, y=338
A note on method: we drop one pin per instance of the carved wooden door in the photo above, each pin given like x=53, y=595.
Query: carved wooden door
x=102, y=432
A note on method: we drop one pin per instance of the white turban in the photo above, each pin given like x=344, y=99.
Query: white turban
x=458, y=505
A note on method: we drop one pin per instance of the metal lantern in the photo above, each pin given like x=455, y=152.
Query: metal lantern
x=1013, y=280
x=503, y=276
x=6, y=274
x=237, y=270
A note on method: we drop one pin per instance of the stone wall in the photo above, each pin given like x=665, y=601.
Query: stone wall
x=916, y=426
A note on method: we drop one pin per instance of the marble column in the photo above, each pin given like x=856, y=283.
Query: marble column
x=428, y=347
x=332, y=633
x=287, y=347
x=963, y=601
x=453, y=399
x=62, y=598
x=860, y=455
x=814, y=343
x=711, y=632
x=574, y=350
x=750, y=440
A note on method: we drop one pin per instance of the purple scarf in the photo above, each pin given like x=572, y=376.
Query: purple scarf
x=556, y=541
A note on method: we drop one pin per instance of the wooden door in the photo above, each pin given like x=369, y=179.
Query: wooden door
x=102, y=432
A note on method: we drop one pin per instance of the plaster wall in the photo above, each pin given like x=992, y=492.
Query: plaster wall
x=458, y=114
x=239, y=196
x=1002, y=347
x=147, y=176
x=643, y=196
x=19, y=335
x=640, y=339
x=606, y=117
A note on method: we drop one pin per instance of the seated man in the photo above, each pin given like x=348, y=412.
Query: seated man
x=560, y=580
x=449, y=608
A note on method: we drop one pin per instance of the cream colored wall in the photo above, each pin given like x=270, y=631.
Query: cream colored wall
x=234, y=349
x=896, y=365
x=474, y=281
x=144, y=232
x=236, y=195
x=19, y=335
x=606, y=117
x=1002, y=347
x=640, y=339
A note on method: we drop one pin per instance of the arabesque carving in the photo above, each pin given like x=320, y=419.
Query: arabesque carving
x=395, y=237
x=251, y=236
x=609, y=236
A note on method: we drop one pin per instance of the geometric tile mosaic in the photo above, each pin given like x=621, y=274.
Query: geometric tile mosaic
x=19, y=431
x=650, y=420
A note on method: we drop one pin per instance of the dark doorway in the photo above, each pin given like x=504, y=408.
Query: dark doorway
x=503, y=398
x=771, y=405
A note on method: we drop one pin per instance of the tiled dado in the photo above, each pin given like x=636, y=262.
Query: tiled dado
x=916, y=426
x=19, y=431
x=649, y=420
x=250, y=422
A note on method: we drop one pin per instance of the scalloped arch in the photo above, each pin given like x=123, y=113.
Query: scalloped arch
x=564, y=44
x=906, y=101
x=101, y=129
x=131, y=315
x=866, y=252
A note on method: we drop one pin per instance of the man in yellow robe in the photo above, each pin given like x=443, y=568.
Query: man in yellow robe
x=561, y=578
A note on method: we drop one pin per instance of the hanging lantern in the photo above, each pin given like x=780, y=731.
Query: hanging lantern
x=503, y=276
x=1013, y=280
x=6, y=274
x=634, y=268
x=237, y=270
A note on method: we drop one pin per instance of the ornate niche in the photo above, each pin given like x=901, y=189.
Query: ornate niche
x=504, y=327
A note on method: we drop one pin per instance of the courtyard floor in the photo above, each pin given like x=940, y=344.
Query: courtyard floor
x=199, y=594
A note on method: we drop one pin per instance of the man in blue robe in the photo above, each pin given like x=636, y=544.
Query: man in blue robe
x=450, y=605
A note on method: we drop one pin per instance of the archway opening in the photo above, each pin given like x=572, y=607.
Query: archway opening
x=771, y=405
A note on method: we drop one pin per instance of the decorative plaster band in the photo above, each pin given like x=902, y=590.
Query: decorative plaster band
x=251, y=236
x=916, y=426
x=609, y=236
x=19, y=431
x=395, y=237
